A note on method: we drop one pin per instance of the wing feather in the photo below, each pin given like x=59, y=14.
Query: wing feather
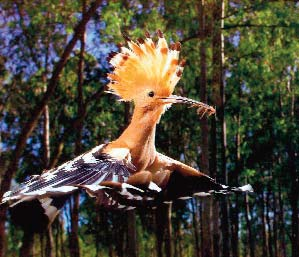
x=90, y=168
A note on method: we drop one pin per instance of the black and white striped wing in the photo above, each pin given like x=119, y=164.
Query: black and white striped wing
x=90, y=168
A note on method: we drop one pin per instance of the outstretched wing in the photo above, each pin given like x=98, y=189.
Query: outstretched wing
x=144, y=189
x=90, y=168
x=36, y=202
x=168, y=180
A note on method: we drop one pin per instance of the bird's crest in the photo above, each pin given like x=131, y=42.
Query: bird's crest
x=145, y=65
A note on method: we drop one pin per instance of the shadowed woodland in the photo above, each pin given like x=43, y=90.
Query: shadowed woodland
x=242, y=57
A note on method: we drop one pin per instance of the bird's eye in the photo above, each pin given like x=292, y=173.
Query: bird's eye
x=151, y=94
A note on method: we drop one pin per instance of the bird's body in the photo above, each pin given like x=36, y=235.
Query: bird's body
x=127, y=172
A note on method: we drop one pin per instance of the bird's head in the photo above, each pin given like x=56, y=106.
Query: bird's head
x=147, y=73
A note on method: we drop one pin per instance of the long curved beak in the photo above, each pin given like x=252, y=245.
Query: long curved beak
x=202, y=108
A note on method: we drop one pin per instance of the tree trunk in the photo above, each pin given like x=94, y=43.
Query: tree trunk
x=168, y=231
x=195, y=227
x=275, y=227
x=206, y=203
x=56, y=238
x=36, y=113
x=46, y=137
x=47, y=156
x=49, y=243
x=27, y=246
x=178, y=240
x=294, y=173
x=270, y=240
x=218, y=96
x=41, y=244
x=235, y=180
x=164, y=230
x=234, y=217
x=61, y=232
x=282, y=244
x=250, y=242
x=74, y=239
x=215, y=202
x=46, y=144
x=159, y=227
x=264, y=234
x=294, y=196
x=132, y=235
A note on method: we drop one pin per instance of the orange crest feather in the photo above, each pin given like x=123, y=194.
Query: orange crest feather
x=145, y=66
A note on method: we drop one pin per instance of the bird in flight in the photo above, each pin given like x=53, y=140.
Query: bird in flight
x=127, y=172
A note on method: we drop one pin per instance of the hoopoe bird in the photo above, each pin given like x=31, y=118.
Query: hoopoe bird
x=127, y=172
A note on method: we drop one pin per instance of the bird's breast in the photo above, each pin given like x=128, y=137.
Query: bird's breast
x=143, y=156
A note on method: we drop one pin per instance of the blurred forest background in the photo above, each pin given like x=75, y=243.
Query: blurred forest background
x=242, y=57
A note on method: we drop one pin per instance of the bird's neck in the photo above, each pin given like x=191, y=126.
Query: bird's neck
x=139, y=136
x=142, y=127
